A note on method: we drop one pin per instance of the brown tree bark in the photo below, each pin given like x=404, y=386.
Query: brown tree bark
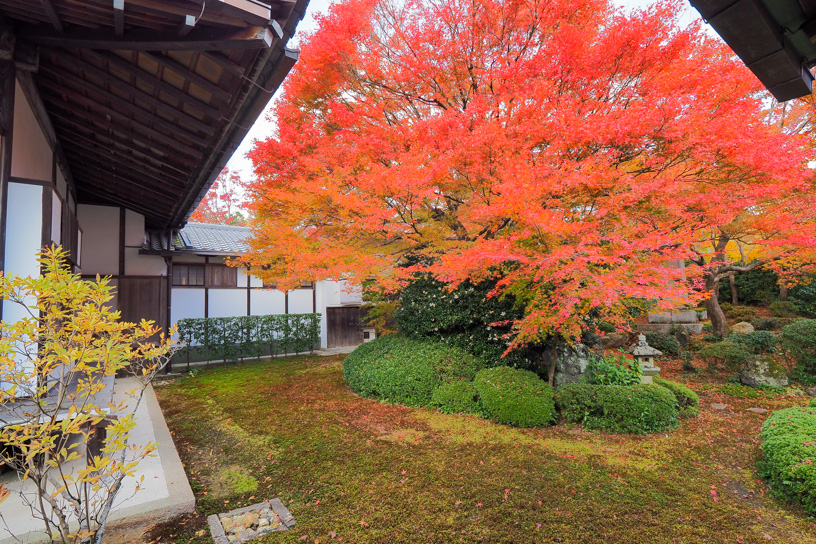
x=734, y=294
x=712, y=305
x=783, y=292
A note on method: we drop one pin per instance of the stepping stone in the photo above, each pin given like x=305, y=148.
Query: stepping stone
x=758, y=410
x=719, y=406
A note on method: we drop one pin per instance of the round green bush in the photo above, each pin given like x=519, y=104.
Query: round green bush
x=729, y=353
x=798, y=341
x=515, y=397
x=789, y=452
x=665, y=342
x=784, y=308
x=756, y=342
x=687, y=400
x=456, y=397
x=812, y=403
x=404, y=370
x=639, y=409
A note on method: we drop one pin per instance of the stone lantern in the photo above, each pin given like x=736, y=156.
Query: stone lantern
x=645, y=358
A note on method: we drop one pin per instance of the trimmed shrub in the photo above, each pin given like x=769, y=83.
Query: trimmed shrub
x=638, y=409
x=798, y=341
x=739, y=313
x=757, y=342
x=456, y=397
x=515, y=397
x=804, y=296
x=812, y=402
x=687, y=400
x=784, y=308
x=612, y=370
x=730, y=354
x=765, y=323
x=465, y=317
x=789, y=450
x=665, y=342
x=404, y=370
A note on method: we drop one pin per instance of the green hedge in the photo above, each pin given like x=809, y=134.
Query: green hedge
x=456, y=397
x=404, y=370
x=789, y=448
x=638, y=409
x=687, y=400
x=515, y=397
x=230, y=338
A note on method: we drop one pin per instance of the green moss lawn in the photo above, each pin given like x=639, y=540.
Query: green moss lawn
x=355, y=470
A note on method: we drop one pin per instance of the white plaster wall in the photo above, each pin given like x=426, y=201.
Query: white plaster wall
x=334, y=293
x=143, y=265
x=62, y=184
x=227, y=302
x=23, y=239
x=56, y=218
x=31, y=156
x=255, y=281
x=266, y=302
x=300, y=301
x=242, y=277
x=100, y=251
x=134, y=229
x=187, y=303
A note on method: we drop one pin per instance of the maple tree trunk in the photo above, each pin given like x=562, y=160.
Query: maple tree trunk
x=713, y=308
x=734, y=294
x=783, y=293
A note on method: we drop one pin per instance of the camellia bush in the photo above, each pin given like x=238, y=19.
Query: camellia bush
x=56, y=359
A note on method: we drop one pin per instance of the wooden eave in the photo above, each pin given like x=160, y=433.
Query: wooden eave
x=146, y=100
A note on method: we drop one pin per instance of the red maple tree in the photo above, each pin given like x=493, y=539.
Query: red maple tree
x=566, y=147
x=225, y=202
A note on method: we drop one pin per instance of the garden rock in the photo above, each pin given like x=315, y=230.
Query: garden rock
x=719, y=406
x=250, y=522
x=812, y=391
x=570, y=363
x=683, y=336
x=615, y=340
x=763, y=370
x=743, y=327
x=758, y=410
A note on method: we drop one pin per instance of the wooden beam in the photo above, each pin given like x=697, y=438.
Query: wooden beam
x=27, y=57
x=51, y=11
x=115, y=60
x=129, y=89
x=119, y=122
x=201, y=39
x=187, y=26
x=110, y=182
x=119, y=17
x=6, y=97
x=224, y=63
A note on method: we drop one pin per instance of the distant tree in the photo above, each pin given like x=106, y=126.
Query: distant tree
x=224, y=203
x=54, y=363
x=564, y=147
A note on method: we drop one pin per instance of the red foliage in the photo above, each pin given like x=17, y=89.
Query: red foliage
x=569, y=147
x=224, y=203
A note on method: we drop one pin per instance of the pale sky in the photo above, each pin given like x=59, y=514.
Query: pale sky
x=263, y=127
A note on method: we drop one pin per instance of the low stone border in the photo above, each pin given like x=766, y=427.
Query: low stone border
x=250, y=522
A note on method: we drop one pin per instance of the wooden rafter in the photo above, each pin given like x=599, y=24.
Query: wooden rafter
x=51, y=11
x=119, y=17
x=189, y=74
x=202, y=39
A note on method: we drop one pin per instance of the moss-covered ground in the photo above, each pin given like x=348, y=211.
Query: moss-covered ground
x=355, y=470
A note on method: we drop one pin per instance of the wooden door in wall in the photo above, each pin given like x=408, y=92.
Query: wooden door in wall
x=143, y=298
x=344, y=326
